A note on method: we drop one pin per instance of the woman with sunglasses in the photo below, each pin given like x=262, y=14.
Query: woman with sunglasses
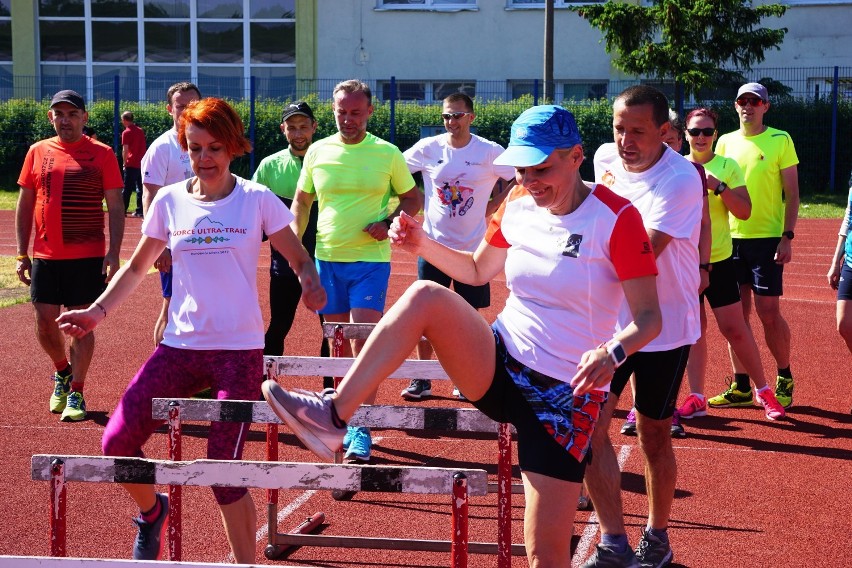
x=726, y=194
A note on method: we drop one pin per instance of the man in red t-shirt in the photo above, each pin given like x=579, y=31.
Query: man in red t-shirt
x=132, y=149
x=63, y=182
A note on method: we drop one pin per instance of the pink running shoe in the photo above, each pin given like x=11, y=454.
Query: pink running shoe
x=773, y=408
x=692, y=407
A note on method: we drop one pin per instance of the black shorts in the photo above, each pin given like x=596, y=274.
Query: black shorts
x=756, y=267
x=724, y=289
x=658, y=378
x=69, y=283
x=844, y=288
x=554, y=426
x=477, y=296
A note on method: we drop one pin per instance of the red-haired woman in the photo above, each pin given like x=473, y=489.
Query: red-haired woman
x=726, y=193
x=213, y=224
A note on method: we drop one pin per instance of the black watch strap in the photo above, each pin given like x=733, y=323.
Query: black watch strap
x=789, y=234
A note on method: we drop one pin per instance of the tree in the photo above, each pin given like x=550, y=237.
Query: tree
x=689, y=41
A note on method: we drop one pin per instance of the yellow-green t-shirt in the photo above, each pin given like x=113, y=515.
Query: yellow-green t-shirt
x=728, y=171
x=353, y=184
x=761, y=158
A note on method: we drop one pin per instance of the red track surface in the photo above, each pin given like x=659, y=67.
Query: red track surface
x=749, y=493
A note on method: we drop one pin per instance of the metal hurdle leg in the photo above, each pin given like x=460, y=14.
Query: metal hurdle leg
x=57, y=508
x=175, y=534
x=337, y=344
x=504, y=496
x=458, y=552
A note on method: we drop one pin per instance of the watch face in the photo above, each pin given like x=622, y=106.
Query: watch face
x=619, y=354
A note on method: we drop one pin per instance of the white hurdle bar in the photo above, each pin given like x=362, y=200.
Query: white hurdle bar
x=459, y=483
x=182, y=410
x=56, y=562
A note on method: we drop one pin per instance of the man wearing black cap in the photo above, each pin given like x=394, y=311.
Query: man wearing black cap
x=763, y=243
x=280, y=172
x=63, y=182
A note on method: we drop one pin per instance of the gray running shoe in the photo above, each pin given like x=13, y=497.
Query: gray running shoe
x=417, y=389
x=308, y=414
x=605, y=557
x=653, y=552
x=148, y=545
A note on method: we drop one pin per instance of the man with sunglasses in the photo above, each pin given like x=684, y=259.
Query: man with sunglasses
x=763, y=242
x=459, y=177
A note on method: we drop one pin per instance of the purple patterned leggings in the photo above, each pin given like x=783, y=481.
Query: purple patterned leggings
x=180, y=373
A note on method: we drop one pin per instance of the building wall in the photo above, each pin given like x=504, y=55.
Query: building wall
x=818, y=35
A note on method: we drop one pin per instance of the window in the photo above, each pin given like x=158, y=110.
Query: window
x=821, y=88
x=273, y=42
x=114, y=41
x=581, y=90
x=5, y=31
x=60, y=41
x=273, y=9
x=425, y=91
x=448, y=5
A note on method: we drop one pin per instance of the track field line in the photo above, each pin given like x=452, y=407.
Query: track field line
x=581, y=554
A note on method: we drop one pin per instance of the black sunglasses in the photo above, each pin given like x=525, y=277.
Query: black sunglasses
x=456, y=115
x=753, y=101
x=708, y=132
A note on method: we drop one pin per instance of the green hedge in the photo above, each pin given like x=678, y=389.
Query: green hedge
x=23, y=122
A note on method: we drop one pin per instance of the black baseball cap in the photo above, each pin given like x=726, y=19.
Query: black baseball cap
x=73, y=98
x=298, y=107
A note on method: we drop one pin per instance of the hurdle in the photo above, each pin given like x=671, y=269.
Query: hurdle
x=57, y=562
x=458, y=483
x=400, y=417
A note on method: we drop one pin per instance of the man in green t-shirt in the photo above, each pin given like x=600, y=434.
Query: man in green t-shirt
x=763, y=242
x=280, y=172
x=352, y=174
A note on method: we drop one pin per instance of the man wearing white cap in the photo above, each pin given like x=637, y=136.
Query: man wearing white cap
x=763, y=242
x=63, y=182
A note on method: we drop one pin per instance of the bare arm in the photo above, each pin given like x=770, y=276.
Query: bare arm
x=659, y=241
x=837, y=262
x=115, y=214
x=471, y=268
x=596, y=368
x=78, y=323
x=23, y=229
x=705, y=242
x=738, y=201
x=301, y=209
x=790, y=181
x=124, y=151
x=149, y=191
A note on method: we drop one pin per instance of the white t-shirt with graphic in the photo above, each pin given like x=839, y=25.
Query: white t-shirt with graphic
x=564, y=274
x=215, y=247
x=457, y=186
x=165, y=162
x=669, y=196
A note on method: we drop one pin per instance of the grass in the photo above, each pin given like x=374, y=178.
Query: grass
x=12, y=290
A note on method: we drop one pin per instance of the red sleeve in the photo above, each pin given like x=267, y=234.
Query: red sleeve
x=26, y=178
x=494, y=233
x=125, y=134
x=111, y=173
x=630, y=248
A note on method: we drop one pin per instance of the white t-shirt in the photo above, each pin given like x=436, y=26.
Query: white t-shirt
x=215, y=247
x=669, y=196
x=564, y=275
x=457, y=186
x=165, y=163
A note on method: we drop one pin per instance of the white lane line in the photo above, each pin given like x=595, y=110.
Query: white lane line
x=581, y=555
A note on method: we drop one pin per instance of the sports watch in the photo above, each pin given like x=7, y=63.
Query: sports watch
x=789, y=234
x=616, y=353
x=720, y=188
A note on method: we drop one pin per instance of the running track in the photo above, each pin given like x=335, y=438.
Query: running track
x=749, y=493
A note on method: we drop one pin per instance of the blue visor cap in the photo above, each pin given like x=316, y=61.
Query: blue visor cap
x=537, y=133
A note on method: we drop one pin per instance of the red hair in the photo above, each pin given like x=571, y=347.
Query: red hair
x=704, y=111
x=219, y=119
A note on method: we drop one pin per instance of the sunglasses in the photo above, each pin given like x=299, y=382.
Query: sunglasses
x=456, y=115
x=753, y=101
x=708, y=132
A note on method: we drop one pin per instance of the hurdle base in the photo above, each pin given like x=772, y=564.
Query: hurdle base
x=381, y=543
x=277, y=549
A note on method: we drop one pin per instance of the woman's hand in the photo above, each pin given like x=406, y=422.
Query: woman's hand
x=78, y=323
x=313, y=294
x=406, y=233
x=834, y=276
x=594, y=371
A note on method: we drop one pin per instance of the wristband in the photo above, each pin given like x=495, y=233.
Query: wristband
x=21, y=257
x=103, y=309
x=720, y=188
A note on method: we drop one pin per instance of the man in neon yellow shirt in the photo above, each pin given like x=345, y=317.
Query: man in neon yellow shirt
x=352, y=174
x=763, y=242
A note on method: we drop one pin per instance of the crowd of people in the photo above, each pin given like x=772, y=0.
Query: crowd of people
x=715, y=224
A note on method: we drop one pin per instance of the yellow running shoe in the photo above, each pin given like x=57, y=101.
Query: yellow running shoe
x=61, y=387
x=75, y=410
x=732, y=397
x=784, y=391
